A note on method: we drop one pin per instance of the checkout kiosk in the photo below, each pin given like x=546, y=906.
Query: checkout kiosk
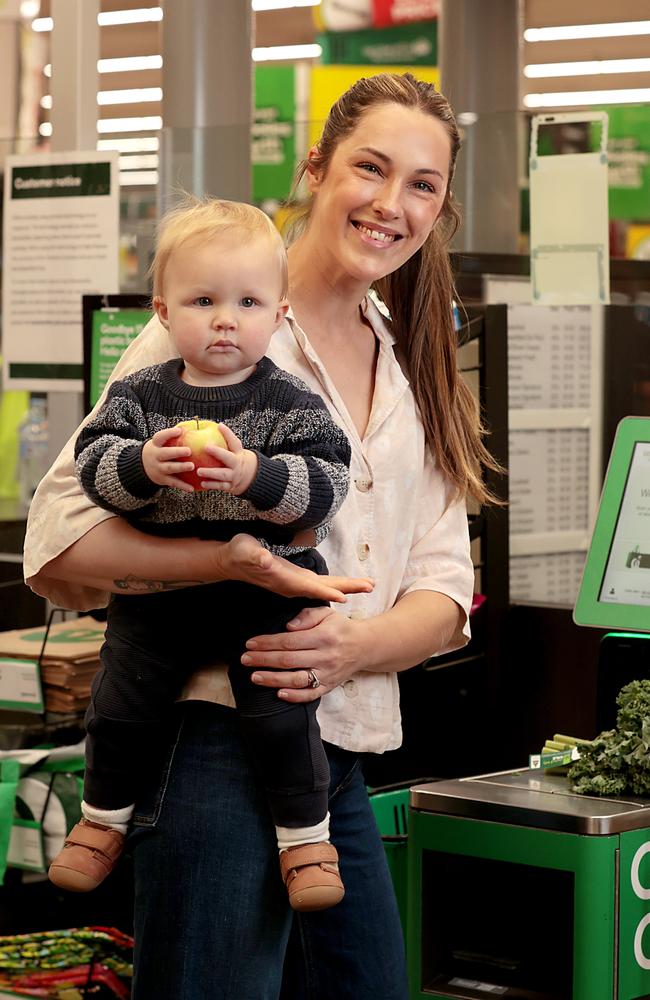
x=518, y=888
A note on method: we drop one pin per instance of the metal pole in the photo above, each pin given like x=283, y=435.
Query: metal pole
x=75, y=50
x=480, y=47
x=207, y=99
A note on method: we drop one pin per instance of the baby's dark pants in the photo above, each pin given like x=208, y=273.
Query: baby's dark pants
x=153, y=644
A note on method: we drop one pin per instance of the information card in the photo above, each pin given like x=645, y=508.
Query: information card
x=61, y=223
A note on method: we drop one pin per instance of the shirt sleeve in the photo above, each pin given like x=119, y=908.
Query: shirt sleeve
x=440, y=558
x=304, y=477
x=108, y=454
x=60, y=513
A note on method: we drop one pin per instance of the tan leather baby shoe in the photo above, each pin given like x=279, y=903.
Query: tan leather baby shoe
x=89, y=854
x=311, y=875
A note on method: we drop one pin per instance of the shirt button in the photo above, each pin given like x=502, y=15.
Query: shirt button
x=363, y=551
x=363, y=485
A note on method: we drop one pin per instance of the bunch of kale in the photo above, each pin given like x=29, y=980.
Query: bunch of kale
x=618, y=761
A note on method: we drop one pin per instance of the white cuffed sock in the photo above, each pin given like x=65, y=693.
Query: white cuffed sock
x=117, y=819
x=294, y=836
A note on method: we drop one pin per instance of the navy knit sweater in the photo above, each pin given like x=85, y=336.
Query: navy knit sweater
x=303, y=456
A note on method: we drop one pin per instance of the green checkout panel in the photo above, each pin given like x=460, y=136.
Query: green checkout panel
x=520, y=889
x=517, y=886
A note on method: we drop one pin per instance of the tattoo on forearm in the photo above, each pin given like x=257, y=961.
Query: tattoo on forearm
x=136, y=585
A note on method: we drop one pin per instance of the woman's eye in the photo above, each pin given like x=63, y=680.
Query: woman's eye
x=425, y=186
x=247, y=302
x=369, y=167
x=203, y=300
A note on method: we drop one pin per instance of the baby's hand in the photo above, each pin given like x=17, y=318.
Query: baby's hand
x=162, y=463
x=239, y=466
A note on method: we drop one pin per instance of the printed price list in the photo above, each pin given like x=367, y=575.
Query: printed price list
x=549, y=480
x=550, y=578
x=549, y=357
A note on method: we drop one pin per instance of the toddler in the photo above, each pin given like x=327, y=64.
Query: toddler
x=220, y=286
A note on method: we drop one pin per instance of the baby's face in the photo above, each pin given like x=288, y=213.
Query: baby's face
x=222, y=302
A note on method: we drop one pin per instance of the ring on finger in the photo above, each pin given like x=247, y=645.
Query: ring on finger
x=313, y=681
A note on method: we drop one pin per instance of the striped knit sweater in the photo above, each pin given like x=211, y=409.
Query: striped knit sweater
x=303, y=456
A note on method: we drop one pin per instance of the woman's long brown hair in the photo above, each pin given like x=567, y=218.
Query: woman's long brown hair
x=420, y=294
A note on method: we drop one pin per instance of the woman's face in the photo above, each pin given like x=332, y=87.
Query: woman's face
x=381, y=194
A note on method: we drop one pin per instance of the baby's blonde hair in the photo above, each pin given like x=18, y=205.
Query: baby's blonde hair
x=201, y=220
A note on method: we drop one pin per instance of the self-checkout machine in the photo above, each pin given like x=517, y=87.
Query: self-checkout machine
x=518, y=887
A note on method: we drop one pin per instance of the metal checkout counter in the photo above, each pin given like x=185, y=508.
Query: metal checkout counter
x=517, y=887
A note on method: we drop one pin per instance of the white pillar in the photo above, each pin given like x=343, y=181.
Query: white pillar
x=207, y=99
x=480, y=47
x=75, y=50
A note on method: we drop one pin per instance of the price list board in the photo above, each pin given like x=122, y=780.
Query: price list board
x=555, y=406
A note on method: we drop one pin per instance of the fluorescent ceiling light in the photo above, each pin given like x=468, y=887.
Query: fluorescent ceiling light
x=137, y=95
x=30, y=8
x=139, y=162
x=286, y=52
x=139, y=177
x=128, y=64
x=566, y=32
x=283, y=4
x=106, y=18
x=591, y=67
x=575, y=98
x=141, y=144
x=149, y=124
x=138, y=16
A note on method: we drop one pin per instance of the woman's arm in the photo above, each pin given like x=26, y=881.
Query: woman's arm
x=420, y=624
x=113, y=556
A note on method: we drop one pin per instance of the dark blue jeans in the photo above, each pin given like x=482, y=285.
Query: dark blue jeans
x=212, y=921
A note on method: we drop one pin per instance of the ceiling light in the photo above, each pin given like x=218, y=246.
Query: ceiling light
x=139, y=16
x=141, y=144
x=139, y=162
x=575, y=98
x=108, y=17
x=591, y=67
x=286, y=52
x=137, y=95
x=566, y=32
x=30, y=8
x=149, y=124
x=46, y=102
x=45, y=129
x=128, y=64
x=139, y=177
x=283, y=4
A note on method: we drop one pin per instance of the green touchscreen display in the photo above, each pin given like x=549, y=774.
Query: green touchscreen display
x=615, y=589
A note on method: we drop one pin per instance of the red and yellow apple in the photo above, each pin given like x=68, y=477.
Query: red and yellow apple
x=195, y=435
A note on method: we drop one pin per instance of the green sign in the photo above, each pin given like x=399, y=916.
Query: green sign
x=61, y=180
x=112, y=332
x=628, y=154
x=402, y=45
x=273, y=144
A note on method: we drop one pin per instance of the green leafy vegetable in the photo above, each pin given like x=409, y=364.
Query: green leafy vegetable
x=618, y=761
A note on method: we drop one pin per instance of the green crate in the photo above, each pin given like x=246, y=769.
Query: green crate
x=390, y=808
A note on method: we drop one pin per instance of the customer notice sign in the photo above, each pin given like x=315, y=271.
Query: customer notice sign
x=61, y=230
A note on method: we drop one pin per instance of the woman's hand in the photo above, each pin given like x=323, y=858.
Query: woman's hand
x=319, y=640
x=243, y=558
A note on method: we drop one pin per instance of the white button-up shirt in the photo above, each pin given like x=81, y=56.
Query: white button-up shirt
x=396, y=524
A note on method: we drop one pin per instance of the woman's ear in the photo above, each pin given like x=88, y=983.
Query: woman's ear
x=314, y=171
x=160, y=306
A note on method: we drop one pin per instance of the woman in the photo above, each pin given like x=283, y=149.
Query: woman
x=211, y=920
